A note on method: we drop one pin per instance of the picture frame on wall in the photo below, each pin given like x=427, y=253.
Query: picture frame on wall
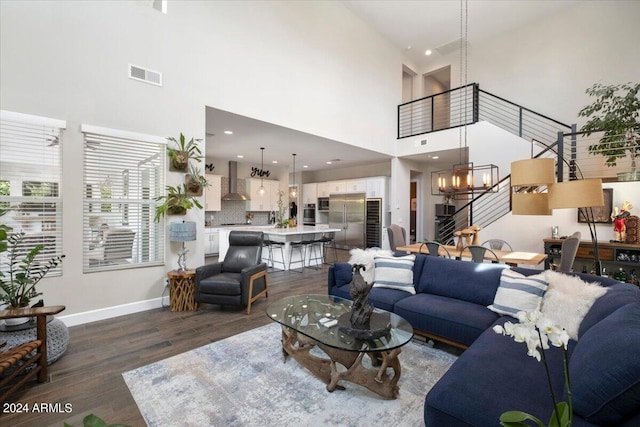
x=601, y=214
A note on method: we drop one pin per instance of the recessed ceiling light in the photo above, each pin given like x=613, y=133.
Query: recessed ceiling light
x=435, y=157
x=328, y=162
x=428, y=52
x=228, y=132
x=305, y=166
x=240, y=156
x=274, y=162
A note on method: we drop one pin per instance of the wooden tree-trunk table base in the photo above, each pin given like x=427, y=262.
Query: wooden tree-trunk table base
x=377, y=380
x=182, y=290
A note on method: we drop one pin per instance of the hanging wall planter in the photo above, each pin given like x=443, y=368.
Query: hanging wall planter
x=195, y=182
x=180, y=155
x=176, y=202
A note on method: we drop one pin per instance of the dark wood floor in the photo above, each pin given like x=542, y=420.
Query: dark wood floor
x=88, y=376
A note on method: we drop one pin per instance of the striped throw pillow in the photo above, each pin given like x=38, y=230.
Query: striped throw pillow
x=519, y=293
x=394, y=272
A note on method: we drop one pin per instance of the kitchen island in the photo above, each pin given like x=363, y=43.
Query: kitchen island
x=283, y=235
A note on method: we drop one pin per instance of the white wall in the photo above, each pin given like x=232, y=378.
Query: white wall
x=548, y=65
x=304, y=65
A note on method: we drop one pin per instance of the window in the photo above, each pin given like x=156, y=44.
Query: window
x=30, y=176
x=123, y=174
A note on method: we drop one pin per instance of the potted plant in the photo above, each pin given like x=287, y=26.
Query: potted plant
x=195, y=181
x=184, y=152
x=616, y=112
x=175, y=202
x=21, y=272
x=281, y=221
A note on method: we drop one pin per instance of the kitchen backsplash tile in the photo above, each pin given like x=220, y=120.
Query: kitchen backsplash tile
x=235, y=212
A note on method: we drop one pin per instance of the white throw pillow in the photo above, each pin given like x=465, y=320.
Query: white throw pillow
x=365, y=257
x=568, y=300
x=518, y=293
x=394, y=272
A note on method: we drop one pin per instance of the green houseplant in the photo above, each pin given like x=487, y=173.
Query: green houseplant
x=195, y=181
x=616, y=112
x=176, y=202
x=183, y=152
x=21, y=272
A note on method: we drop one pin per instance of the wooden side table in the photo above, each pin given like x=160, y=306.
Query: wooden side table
x=182, y=290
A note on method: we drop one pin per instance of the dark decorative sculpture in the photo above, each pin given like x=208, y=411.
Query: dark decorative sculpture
x=361, y=322
x=361, y=309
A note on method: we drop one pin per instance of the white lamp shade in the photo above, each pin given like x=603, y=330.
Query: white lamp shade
x=530, y=204
x=182, y=231
x=582, y=193
x=532, y=172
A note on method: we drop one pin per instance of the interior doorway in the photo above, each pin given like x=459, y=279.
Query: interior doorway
x=413, y=211
x=434, y=83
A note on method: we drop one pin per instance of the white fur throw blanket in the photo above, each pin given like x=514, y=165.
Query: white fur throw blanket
x=365, y=257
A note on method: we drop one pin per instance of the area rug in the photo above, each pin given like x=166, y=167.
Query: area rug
x=242, y=381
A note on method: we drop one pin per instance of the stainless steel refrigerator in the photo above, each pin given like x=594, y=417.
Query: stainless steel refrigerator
x=347, y=212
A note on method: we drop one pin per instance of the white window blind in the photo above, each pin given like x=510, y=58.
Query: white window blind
x=30, y=182
x=123, y=174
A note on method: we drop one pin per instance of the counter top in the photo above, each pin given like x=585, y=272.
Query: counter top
x=290, y=231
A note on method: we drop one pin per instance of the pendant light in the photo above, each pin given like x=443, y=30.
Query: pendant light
x=261, y=190
x=293, y=190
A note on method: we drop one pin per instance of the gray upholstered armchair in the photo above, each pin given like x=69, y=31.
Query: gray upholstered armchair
x=240, y=279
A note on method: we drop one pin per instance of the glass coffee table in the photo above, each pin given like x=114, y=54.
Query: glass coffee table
x=303, y=328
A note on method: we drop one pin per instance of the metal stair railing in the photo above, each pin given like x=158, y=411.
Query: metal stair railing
x=467, y=105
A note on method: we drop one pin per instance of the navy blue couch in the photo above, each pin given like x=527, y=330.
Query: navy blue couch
x=494, y=374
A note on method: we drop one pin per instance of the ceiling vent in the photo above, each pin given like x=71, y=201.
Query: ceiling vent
x=450, y=47
x=145, y=75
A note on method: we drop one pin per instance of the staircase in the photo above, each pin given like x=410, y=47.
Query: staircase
x=467, y=105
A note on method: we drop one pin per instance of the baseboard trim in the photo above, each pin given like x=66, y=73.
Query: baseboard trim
x=110, y=312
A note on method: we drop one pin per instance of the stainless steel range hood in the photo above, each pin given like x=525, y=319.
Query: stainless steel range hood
x=233, y=185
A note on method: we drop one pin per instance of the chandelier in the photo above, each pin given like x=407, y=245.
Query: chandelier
x=464, y=179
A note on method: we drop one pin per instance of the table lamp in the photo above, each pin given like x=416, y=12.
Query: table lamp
x=182, y=232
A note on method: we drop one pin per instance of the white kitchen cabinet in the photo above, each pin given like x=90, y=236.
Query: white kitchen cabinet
x=211, y=241
x=310, y=193
x=355, y=186
x=337, y=187
x=213, y=193
x=267, y=201
x=377, y=187
x=323, y=189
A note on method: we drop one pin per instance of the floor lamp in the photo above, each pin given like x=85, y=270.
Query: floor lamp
x=182, y=232
x=530, y=176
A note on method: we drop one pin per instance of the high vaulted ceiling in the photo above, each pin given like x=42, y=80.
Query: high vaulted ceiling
x=414, y=26
x=427, y=24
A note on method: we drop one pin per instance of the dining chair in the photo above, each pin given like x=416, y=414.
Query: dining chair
x=397, y=236
x=434, y=249
x=497, y=244
x=568, y=250
x=478, y=254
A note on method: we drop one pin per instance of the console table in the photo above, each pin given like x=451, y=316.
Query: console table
x=613, y=255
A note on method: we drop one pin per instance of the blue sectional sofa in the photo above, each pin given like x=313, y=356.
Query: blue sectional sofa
x=494, y=374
